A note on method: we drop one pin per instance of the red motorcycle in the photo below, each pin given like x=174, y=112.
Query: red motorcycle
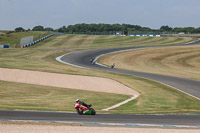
x=83, y=110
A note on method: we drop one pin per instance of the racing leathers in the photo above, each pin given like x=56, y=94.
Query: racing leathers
x=79, y=105
x=86, y=105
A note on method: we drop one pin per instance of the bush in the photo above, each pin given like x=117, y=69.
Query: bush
x=19, y=29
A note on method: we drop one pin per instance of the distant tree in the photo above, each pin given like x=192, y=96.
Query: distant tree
x=145, y=29
x=166, y=28
x=116, y=27
x=38, y=28
x=62, y=29
x=125, y=28
x=197, y=30
x=19, y=29
x=92, y=27
x=48, y=29
x=178, y=30
x=185, y=30
x=189, y=29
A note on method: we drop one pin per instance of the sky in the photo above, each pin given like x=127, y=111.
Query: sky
x=58, y=13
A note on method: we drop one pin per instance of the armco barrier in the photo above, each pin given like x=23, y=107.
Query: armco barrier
x=4, y=46
x=41, y=39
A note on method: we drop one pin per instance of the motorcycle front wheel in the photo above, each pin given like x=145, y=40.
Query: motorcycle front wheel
x=80, y=112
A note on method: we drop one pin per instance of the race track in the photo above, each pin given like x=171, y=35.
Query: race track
x=173, y=121
x=82, y=59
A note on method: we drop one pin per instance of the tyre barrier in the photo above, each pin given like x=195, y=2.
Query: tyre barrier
x=41, y=39
x=147, y=35
x=4, y=46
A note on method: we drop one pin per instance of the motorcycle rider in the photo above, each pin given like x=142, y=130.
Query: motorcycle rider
x=113, y=65
x=82, y=103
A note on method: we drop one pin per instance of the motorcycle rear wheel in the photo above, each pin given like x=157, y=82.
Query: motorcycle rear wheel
x=93, y=111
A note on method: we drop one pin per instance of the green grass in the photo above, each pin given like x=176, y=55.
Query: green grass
x=34, y=97
x=14, y=37
x=155, y=97
x=80, y=42
x=158, y=98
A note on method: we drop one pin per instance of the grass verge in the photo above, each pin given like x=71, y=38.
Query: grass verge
x=35, y=97
x=158, y=98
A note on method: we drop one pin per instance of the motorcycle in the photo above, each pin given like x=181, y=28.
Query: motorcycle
x=113, y=65
x=83, y=110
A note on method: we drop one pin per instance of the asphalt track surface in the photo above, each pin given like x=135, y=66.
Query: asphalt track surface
x=82, y=59
x=163, y=120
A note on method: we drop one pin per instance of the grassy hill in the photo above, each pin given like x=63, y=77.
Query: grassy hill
x=13, y=38
x=80, y=42
x=178, y=61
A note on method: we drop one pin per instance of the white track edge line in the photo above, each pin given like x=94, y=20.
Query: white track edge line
x=121, y=103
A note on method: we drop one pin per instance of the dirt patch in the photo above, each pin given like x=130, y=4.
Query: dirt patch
x=65, y=81
x=78, y=129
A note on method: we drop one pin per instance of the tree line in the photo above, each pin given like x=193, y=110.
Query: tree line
x=36, y=28
x=125, y=28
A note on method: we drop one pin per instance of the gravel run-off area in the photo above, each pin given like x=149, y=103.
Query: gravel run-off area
x=13, y=128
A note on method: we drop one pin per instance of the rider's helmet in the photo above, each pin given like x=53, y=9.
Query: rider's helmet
x=77, y=100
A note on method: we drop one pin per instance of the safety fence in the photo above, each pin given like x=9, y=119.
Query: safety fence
x=39, y=40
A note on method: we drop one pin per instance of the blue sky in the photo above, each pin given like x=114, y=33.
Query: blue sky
x=57, y=13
